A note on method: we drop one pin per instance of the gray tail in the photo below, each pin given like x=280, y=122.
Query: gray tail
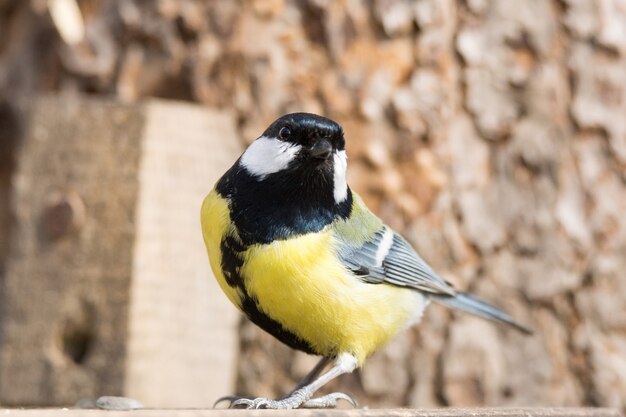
x=476, y=306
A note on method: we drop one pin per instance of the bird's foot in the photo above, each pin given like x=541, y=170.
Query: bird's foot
x=294, y=400
x=329, y=401
x=298, y=399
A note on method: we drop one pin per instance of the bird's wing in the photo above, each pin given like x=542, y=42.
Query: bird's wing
x=388, y=258
x=377, y=254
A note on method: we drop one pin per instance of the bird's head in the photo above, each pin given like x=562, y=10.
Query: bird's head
x=301, y=147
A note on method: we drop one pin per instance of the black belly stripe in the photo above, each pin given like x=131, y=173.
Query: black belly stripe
x=231, y=250
x=232, y=261
x=273, y=327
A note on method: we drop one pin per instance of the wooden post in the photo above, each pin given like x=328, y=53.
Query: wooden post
x=108, y=289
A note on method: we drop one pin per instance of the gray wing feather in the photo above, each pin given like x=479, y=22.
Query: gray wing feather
x=390, y=259
x=400, y=265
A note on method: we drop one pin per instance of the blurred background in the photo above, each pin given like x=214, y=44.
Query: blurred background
x=492, y=133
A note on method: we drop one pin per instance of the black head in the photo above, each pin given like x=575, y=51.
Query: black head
x=316, y=134
x=300, y=146
x=290, y=180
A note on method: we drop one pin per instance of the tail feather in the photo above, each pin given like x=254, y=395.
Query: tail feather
x=470, y=304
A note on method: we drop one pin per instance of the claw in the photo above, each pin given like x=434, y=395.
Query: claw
x=230, y=398
x=241, y=401
x=329, y=401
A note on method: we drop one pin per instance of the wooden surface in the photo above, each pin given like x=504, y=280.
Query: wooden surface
x=435, y=412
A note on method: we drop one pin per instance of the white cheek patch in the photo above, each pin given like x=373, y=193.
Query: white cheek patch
x=268, y=155
x=340, y=190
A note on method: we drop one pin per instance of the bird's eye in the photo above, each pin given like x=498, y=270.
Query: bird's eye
x=284, y=133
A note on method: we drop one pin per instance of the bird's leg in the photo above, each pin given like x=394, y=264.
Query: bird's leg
x=308, y=378
x=326, y=401
x=345, y=363
x=314, y=373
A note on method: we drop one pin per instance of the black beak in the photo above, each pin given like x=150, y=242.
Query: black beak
x=322, y=149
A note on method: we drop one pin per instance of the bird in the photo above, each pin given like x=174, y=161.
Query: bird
x=300, y=254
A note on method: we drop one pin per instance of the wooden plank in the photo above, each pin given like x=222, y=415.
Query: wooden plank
x=401, y=412
x=108, y=289
x=183, y=342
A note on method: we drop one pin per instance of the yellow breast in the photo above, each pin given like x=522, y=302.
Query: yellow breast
x=300, y=283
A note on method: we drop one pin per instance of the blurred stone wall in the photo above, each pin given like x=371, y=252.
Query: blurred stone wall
x=492, y=133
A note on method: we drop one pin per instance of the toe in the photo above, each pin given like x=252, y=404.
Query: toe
x=329, y=401
x=242, y=403
x=261, y=403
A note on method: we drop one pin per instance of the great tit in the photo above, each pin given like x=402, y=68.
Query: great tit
x=299, y=253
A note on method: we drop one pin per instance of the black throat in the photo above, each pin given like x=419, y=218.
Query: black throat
x=281, y=205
